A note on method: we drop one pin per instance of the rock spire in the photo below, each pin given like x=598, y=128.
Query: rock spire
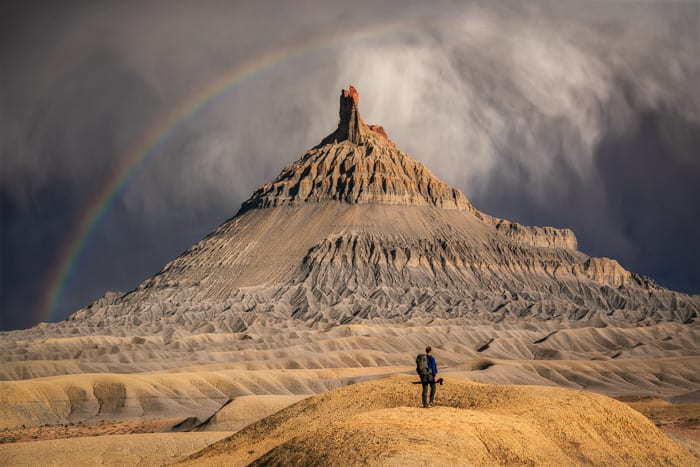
x=351, y=126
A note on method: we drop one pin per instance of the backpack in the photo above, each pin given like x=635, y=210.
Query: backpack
x=422, y=365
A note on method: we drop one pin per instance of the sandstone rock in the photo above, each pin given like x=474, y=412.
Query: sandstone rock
x=380, y=131
x=357, y=229
x=374, y=172
x=537, y=236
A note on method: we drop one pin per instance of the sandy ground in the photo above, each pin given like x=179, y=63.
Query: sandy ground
x=680, y=422
x=380, y=423
x=133, y=450
x=81, y=429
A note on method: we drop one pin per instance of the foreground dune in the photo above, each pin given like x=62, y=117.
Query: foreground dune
x=380, y=423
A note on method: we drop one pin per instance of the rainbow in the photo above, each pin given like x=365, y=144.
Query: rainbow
x=69, y=255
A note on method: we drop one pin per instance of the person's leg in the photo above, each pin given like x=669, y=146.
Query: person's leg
x=425, y=394
x=432, y=391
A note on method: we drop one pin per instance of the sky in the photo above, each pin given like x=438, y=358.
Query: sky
x=578, y=114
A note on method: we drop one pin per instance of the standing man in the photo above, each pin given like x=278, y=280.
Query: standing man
x=427, y=370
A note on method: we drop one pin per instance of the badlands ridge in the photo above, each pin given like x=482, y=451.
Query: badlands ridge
x=338, y=271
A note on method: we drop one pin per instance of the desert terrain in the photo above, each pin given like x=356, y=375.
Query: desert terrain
x=168, y=414
x=289, y=334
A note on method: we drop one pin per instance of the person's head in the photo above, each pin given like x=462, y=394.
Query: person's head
x=428, y=350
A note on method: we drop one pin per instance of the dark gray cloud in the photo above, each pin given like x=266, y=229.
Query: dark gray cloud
x=578, y=114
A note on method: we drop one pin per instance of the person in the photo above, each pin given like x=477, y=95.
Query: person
x=429, y=379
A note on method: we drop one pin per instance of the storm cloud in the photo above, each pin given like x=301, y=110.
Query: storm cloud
x=574, y=114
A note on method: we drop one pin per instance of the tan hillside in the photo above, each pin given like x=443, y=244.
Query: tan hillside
x=380, y=423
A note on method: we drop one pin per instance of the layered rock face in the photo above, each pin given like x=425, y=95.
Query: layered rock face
x=359, y=174
x=357, y=229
